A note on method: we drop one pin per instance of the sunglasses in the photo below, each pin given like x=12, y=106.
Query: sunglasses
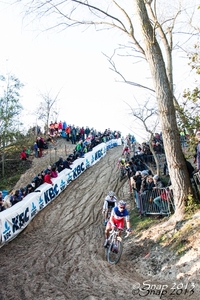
x=121, y=207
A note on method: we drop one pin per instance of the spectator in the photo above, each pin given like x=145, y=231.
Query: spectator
x=71, y=158
x=67, y=163
x=60, y=127
x=6, y=202
x=79, y=148
x=40, y=143
x=87, y=131
x=23, y=155
x=61, y=168
x=54, y=172
x=43, y=174
x=47, y=178
x=144, y=180
x=77, y=134
x=68, y=132
x=22, y=193
x=82, y=133
x=140, y=151
x=48, y=169
x=64, y=125
x=73, y=135
x=60, y=161
x=190, y=168
x=15, y=198
x=2, y=207
x=29, y=189
x=51, y=128
x=28, y=152
x=157, y=182
x=85, y=149
x=161, y=201
x=56, y=128
x=36, y=149
x=149, y=185
x=38, y=180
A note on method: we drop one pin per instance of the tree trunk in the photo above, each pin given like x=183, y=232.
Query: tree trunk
x=174, y=155
x=154, y=156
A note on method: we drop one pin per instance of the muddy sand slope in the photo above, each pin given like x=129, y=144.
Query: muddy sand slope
x=60, y=254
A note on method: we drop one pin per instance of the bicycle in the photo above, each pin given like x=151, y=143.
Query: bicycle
x=127, y=155
x=122, y=172
x=114, y=246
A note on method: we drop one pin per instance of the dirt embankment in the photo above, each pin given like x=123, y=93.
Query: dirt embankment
x=60, y=255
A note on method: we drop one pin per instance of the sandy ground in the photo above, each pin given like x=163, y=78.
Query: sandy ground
x=60, y=254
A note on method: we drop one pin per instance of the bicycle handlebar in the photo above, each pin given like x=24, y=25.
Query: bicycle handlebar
x=115, y=228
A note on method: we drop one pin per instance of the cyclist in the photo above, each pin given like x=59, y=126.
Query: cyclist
x=109, y=203
x=126, y=152
x=121, y=164
x=118, y=214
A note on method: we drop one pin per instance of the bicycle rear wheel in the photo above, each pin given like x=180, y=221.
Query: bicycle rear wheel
x=122, y=174
x=114, y=252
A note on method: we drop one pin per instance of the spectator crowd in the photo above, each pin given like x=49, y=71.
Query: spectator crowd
x=83, y=139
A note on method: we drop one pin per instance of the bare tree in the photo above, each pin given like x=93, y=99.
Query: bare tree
x=152, y=38
x=47, y=109
x=148, y=117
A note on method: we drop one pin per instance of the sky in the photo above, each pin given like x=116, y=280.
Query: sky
x=72, y=64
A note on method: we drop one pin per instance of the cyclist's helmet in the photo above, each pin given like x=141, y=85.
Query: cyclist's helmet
x=122, y=203
x=111, y=194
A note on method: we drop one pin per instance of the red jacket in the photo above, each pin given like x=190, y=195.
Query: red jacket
x=47, y=179
x=23, y=155
x=82, y=131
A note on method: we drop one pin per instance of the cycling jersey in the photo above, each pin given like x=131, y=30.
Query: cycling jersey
x=118, y=217
x=109, y=202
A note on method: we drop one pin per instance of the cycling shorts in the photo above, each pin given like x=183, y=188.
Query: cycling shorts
x=118, y=223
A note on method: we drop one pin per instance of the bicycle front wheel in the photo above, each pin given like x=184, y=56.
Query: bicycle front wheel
x=114, y=252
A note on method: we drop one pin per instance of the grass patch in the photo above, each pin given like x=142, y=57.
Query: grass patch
x=14, y=168
x=139, y=223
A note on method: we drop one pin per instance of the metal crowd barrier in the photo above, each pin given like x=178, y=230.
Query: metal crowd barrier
x=145, y=202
